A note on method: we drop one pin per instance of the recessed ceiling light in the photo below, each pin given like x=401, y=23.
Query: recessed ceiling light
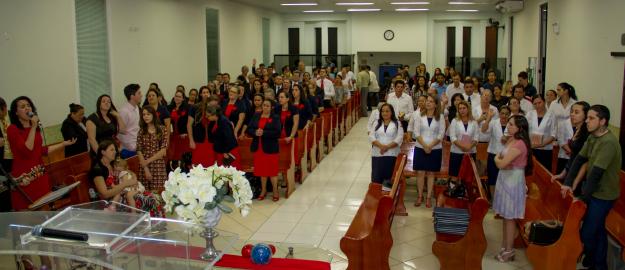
x=354, y=3
x=410, y=3
x=318, y=11
x=464, y=3
x=462, y=10
x=363, y=9
x=299, y=4
x=412, y=9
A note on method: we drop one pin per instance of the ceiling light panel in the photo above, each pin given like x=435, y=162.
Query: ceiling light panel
x=318, y=11
x=363, y=9
x=412, y=9
x=410, y=3
x=354, y=3
x=298, y=4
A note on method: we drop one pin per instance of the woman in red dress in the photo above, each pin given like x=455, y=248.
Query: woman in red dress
x=179, y=140
x=265, y=129
x=234, y=109
x=27, y=147
x=201, y=146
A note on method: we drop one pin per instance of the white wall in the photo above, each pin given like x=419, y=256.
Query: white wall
x=38, y=55
x=159, y=41
x=170, y=45
x=580, y=54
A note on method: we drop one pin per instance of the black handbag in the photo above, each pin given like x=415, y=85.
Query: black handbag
x=229, y=159
x=456, y=190
x=543, y=232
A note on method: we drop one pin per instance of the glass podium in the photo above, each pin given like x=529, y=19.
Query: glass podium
x=120, y=237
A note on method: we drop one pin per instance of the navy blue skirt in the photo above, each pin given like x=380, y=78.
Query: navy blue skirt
x=382, y=169
x=427, y=162
x=455, y=160
x=492, y=170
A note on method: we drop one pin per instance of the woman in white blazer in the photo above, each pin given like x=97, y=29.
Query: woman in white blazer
x=542, y=131
x=463, y=134
x=495, y=128
x=386, y=138
x=428, y=130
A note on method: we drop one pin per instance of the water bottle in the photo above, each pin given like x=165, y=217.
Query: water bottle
x=93, y=195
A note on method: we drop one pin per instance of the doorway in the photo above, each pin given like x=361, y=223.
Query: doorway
x=542, y=47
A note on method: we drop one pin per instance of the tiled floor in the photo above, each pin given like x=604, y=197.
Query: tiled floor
x=321, y=209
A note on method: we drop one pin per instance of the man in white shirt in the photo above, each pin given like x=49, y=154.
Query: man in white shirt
x=455, y=87
x=130, y=114
x=470, y=95
x=519, y=93
x=328, y=88
x=402, y=103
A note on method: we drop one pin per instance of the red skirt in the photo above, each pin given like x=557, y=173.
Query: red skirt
x=203, y=154
x=265, y=165
x=177, y=147
x=35, y=190
x=237, y=156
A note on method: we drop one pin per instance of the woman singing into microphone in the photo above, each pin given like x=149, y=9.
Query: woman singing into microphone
x=27, y=147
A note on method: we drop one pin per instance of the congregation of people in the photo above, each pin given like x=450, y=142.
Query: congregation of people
x=266, y=105
x=518, y=124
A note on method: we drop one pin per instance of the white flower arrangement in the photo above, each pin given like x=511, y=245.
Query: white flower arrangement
x=192, y=196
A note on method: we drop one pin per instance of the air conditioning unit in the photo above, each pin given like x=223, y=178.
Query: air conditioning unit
x=509, y=6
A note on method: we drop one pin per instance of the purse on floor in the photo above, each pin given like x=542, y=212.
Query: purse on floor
x=543, y=232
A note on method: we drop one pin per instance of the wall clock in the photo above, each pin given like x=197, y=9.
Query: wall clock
x=389, y=35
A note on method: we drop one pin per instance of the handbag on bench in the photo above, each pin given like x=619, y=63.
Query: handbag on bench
x=543, y=232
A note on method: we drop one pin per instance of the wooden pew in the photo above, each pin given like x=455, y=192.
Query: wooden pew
x=368, y=240
x=60, y=172
x=247, y=157
x=54, y=156
x=545, y=202
x=466, y=251
x=348, y=115
x=301, y=154
x=615, y=222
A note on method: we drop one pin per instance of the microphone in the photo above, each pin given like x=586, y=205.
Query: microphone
x=30, y=115
x=59, y=234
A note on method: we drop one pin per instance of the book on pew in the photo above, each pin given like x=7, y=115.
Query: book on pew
x=451, y=220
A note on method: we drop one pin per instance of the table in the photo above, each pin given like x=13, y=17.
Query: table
x=168, y=244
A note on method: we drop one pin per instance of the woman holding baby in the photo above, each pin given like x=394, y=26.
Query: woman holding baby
x=114, y=182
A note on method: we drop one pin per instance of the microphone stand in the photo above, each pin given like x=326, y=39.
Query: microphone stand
x=12, y=184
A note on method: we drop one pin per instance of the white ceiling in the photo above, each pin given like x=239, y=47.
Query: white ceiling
x=385, y=5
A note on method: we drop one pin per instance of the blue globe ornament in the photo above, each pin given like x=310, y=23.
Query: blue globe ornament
x=261, y=254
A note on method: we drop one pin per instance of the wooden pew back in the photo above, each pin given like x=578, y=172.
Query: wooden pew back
x=544, y=202
x=368, y=240
x=465, y=251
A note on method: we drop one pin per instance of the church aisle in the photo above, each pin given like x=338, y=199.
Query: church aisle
x=321, y=209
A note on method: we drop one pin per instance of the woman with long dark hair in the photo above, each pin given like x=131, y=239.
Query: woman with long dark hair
x=573, y=145
x=109, y=187
x=179, y=140
x=452, y=111
x=386, y=138
x=27, y=147
x=561, y=111
x=200, y=145
x=256, y=108
x=74, y=127
x=265, y=129
x=514, y=162
x=104, y=124
x=152, y=142
x=162, y=114
x=6, y=157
